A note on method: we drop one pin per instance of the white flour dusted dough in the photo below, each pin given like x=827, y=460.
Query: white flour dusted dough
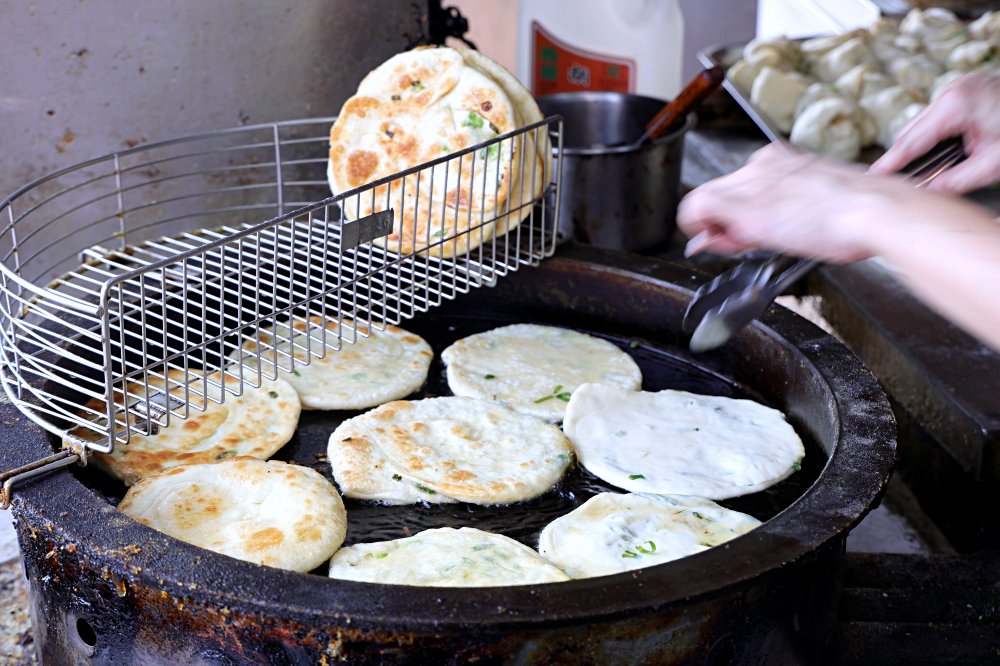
x=534, y=369
x=445, y=557
x=611, y=533
x=447, y=448
x=267, y=512
x=679, y=443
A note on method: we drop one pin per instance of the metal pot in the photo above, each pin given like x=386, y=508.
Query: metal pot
x=614, y=194
x=106, y=589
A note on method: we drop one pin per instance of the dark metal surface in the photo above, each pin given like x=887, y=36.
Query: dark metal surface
x=944, y=385
x=106, y=585
x=942, y=609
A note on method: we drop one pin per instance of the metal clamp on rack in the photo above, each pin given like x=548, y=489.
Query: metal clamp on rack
x=128, y=282
x=57, y=461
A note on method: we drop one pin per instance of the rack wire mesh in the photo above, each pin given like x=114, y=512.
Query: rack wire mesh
x=130, y=283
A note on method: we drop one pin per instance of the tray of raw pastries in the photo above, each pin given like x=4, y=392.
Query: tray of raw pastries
x=848, y=95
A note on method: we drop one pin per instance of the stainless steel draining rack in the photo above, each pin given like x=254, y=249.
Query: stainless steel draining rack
x=129, y=282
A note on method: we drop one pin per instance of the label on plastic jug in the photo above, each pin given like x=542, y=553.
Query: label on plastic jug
x=559, y=67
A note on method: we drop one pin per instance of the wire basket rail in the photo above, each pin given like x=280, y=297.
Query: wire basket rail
x=130, y=283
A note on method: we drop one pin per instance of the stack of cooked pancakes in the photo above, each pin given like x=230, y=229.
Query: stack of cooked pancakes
x=256, y=424
x=422, y=105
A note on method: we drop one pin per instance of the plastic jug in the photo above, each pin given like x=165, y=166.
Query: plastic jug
x=630, y=46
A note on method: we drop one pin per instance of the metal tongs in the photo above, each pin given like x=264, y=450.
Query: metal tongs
x=738, y=296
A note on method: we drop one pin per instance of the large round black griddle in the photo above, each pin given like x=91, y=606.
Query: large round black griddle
x=770, y=594
x=662, y=367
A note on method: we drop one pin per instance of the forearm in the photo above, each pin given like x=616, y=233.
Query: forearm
x=950, y=258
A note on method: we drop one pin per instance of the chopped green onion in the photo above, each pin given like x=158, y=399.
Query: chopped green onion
x=489, y=376
x=474, y=120
x=646, y=548
x=273, y=394
x=796, y=467
x=424, y=489
x=379, y=556
x=633, y=477
x=633, y=345
x=493, y=151
x=296, y=373
x=496, y=130
x=564, y=396
x=416, y=87
x=562, y=456
x=698, y=515
x=619, y=433
x=706, y=544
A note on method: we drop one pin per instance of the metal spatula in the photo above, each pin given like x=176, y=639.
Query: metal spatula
x=737, y=297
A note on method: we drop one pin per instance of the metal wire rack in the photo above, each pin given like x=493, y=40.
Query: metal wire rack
x=128, y=282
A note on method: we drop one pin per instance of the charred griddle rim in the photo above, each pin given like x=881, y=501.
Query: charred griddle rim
x=849, y=485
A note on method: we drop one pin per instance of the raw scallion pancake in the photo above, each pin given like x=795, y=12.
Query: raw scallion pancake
x=445, y=557
x=611, y=533
x=680, y=443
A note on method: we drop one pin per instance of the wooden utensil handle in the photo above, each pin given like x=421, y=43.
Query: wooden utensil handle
x=690, y=97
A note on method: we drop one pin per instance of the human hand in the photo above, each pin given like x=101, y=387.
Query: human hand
x=806, y=205
x=967, y=108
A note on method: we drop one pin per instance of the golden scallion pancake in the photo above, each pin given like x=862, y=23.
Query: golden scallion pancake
x=268, y=512
x=459, y=448
x=255, y=424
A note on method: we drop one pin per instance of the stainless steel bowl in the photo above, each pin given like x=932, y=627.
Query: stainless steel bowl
x=614, y=194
